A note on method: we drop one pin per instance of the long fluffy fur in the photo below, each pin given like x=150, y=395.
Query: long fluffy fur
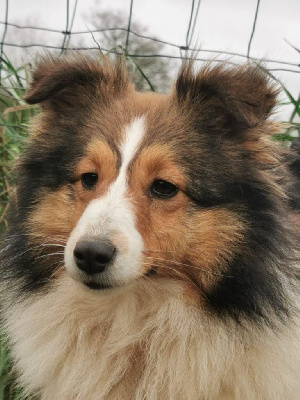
x=214, y=311
x=146, y=343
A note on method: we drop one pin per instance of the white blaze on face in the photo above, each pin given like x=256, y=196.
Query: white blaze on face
x=112, y=216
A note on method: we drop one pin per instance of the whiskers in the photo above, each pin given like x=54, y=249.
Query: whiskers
x=169, y=262
x=164, y=264
x=32, y=236
x=50, y=254
x=37, y=246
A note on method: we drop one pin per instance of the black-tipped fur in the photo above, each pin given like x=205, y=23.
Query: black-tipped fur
x=225, y=164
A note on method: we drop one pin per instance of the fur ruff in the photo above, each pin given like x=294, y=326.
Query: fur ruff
x=72, y=343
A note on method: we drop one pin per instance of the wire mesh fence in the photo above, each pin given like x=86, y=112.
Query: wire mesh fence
x=184, y=49
x=69, y=39
x=154, y=49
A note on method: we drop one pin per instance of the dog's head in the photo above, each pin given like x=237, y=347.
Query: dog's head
x=147, y=186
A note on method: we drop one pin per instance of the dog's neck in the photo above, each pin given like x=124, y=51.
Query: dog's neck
x=145, y=339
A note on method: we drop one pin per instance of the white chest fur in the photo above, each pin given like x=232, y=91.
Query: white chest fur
x=145, y=342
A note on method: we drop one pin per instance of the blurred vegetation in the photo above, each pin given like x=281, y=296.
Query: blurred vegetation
x=8, y=387
x=294, y=124
x=14, y=114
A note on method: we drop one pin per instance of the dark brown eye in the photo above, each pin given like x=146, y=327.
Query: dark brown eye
x=163, y=189
x=89, y=180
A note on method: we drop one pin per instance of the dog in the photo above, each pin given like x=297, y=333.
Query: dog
x=151, y=252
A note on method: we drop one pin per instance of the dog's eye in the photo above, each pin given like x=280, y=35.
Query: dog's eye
x=163, y=189
x=89, y=180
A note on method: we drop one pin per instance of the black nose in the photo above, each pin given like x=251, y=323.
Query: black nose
x=93, y=256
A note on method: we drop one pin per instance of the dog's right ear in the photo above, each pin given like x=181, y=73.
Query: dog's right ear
x=245, y=94
x=63, y=80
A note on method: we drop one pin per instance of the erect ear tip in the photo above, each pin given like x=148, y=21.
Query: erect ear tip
x=246, y=92
x=61, y=79
x=42, y=82
x=258, y=95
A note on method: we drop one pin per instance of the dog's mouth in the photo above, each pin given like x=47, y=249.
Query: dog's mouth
x=96, y=285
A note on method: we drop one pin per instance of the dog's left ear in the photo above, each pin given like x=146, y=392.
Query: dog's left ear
x=243, y=93
x=63, y=81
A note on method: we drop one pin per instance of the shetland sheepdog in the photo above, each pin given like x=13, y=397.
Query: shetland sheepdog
x=152, y=251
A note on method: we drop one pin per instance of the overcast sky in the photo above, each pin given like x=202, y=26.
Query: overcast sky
x=222, y=25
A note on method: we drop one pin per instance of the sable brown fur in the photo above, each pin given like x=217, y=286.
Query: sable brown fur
x=201, y=298
x=243, y=93
x=62, y=79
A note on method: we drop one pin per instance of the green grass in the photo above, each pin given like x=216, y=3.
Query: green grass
x=8, y=387
x=14, y=116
